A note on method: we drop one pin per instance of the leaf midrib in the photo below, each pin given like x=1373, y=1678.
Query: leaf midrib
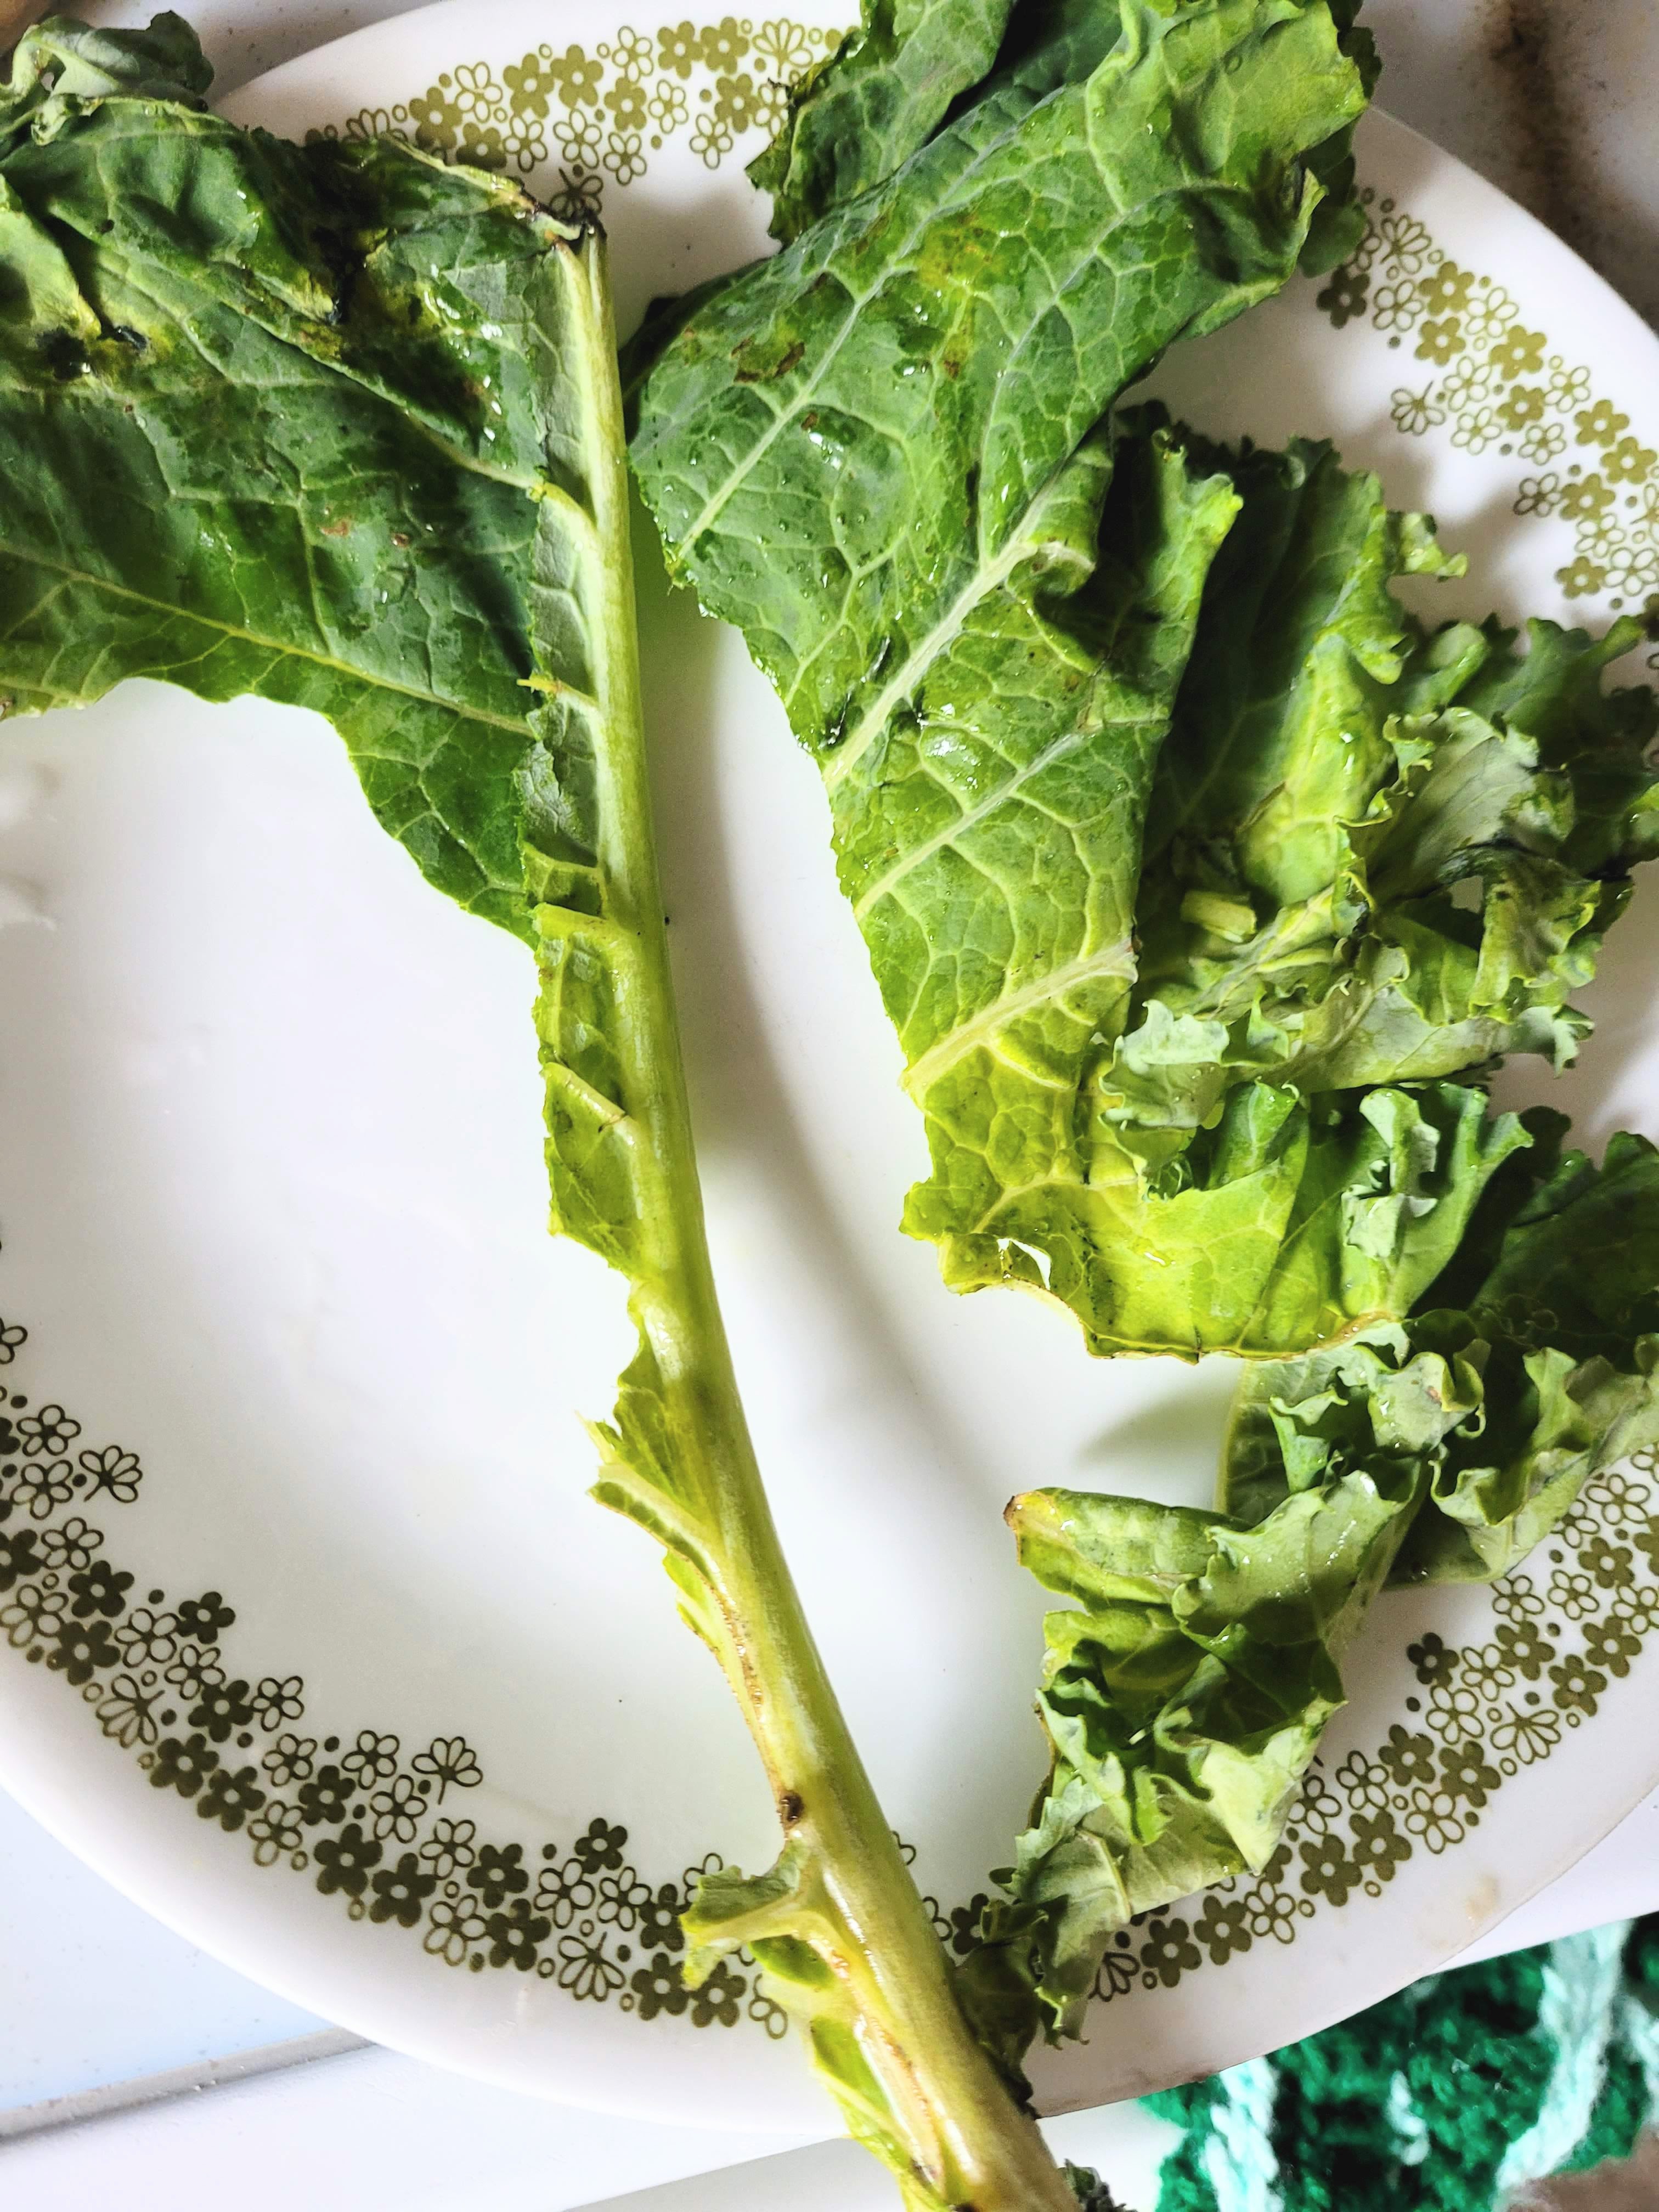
x=1005, y=794
x=1115, y=959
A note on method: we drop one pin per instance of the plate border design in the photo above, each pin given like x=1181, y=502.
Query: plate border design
x=602, y=112
x=1485, y=378
x=365, y=1819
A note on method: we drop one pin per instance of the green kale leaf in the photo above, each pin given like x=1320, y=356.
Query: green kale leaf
x=403, y=543
x=1173, y=922
x=1557, y=1346
x=842, y=449
x=1553, y=1355
x=1533, y=1426
x=1372, y=855
x=1184, y=1696
x=1183, y=1700
x=1572, y=1261
x=879, y=454
x=59, y=63
x=1339, y=222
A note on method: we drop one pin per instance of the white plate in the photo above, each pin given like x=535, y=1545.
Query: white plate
x=272, y=1208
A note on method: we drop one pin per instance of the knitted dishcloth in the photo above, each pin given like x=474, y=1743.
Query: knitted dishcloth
x=1447, y=2097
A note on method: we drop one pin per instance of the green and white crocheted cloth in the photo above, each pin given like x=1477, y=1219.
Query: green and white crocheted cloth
x=1447, y=2097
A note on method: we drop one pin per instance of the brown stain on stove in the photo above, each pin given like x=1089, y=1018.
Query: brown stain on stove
x=1525, y=43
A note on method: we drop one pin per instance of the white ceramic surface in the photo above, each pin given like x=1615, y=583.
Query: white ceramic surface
x=272, y=1208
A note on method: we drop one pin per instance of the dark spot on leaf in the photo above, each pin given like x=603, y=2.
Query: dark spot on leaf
x=65, y=355
x=767, y=370
x=340, y=529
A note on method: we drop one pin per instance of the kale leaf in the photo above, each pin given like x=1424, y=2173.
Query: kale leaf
x=883, y=454
x=1184, y=1695
x=879, y=97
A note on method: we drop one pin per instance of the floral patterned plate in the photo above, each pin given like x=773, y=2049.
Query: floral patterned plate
x=313, y=1642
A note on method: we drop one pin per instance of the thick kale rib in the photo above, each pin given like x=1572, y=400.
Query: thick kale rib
x=340, y=426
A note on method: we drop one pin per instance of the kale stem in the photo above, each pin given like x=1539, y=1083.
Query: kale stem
x=938, y=2112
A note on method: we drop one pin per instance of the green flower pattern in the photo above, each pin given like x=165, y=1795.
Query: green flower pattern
x=595, y=117
x=365, y=1823
x=1472, y=367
